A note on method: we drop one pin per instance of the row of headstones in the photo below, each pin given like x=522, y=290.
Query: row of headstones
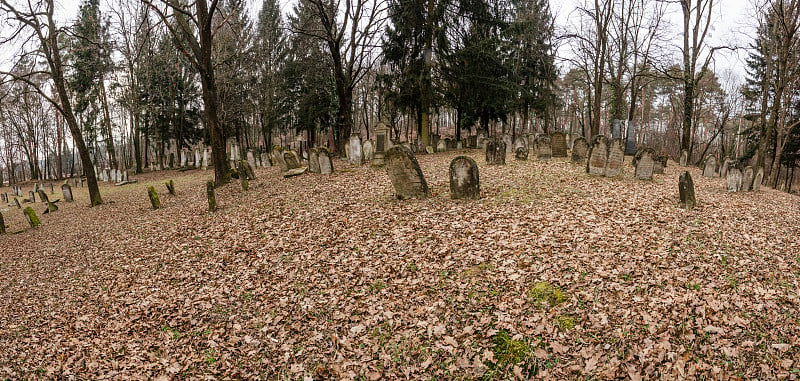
x=736, y=180
x=545, y=145
x=30, y=216
x=111, y=175
x=319, y=160
x=409, y=182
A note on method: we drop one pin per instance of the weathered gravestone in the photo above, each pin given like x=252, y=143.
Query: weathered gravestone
x=598, y=156
x=723, y=170
x=684, y=158
x=16, y=201
x=616, y=156
x=464, y=179
x=382, y=143
x=369, y=150
x=521, y=153
x=355, y=156
x=441, y=146
x=579, y=150
x=251, y=159
x=30, y=215
x=198, y=160
x=758, y=179
x=67, y=191
x=205, y=159
x=277, y=157
x=495, y=152
x=405, y=173
x=543, y=149
x=429, y=150
x=660, y=164
x=686, y=190
x=734, y=180
x=313, y=160
x=153, y=195
x=2, y=224
x=645, y=164
x=325, y=162
x=245, y=170
x=265, y=160
x=51, y=206
x=31, y=196
x=710, y=168
x=459, y=144
x=747, y=179
x=558, y=143
x=509, y=143
x=291, y=160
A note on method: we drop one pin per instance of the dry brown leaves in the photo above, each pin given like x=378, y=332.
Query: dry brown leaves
x=330, y=277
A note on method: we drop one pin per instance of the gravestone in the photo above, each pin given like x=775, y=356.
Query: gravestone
x=464, y=179
x=450, y=143
x=520, y=142
x=660, y=163
x=197, y=158
x=472, y=141
x=710, y=167
x=459, y=144
x=184, y=159
x=67, y=191
x=355, y=155
x=684, y=158
x=251, y=159
x=686, y=190
x=441, y=146
x=32, y=196
x=747, y=179
x=4, y=197
x=369, y=150
x=2, y=224
x=325, y=162
x=429, y=150
x=645, y=164
x=381, y=144
x=495, y=152
x=405, y=173
x=579, y=150
x=616, y=156
x=723, y=170
x=313, y=161
x=558, y=143
x=51, y=207
x=347, y=150
x=480, y=139
x=630, y=140
x=543, y=148
x=734, y=180
x=598, y=156
x=245, y=170
x=265, y=161
x=205, y=159
x=758, y=179
x=509, y=143
x=30, y=215
x=291, y=160
x=277, y=157
x=16, y=201
x=616, y=131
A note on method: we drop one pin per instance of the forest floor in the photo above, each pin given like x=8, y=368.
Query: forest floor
x=552, y=274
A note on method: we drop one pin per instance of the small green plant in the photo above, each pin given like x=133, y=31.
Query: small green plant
x=508, y=351
x=565, y=323
x=209, y=357
x=377, y=286
x=545, y=292
x=173, y=331
x=412, y=267
x=693, y=286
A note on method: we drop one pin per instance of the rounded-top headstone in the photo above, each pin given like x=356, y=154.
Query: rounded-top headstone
x=543, y=147
x=313, y=161
x=558, y=143
x=747, y=179
x=616, y=156
x=579, y=150
x=509, y=143
x=598, y=155
x=405, y=173
x=758, y=179
x=686, y=190
x=733, y=181
x=710, y=168
x=495, y=152
x=464, y=179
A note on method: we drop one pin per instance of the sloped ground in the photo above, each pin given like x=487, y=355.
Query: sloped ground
x=330, y=277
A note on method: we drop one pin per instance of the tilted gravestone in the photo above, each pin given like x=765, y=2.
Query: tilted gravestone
x=579, y=150
x=598, y=156
x=245, y=170
x=758, y=179
x=543, y=149
x=723, y=170
x=2, y=224
x=355, y=156
x=277, y=157
x=616, y=156
x=368, y=148
x=292, y=162
x=686, y=190
x=33, y=219
x=710, y=168
x=441, y=146
x=429, y=150
x=684, y=158
x=405, y=173
x=660, y=164
x=31, y=196
x=645, y=164
x=313, y=161
x=325, y=162
x=495, y=152
x=747, y=179
x=734, y=180
x=16, y=201
x=521, y=153
x=509, y=143
x=520, y=142
x=558, y=144
x=67, y=191
x=464, y=179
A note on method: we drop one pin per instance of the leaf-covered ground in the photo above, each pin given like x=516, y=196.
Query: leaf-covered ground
x=553, y=274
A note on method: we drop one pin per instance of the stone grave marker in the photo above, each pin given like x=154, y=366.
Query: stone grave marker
x=405, y=173
x=684, y=158
x=459, y=144
x=579, y=150
x=197, y=158
x=205, y=159
x=645, y=164
x=325, y=162
x=710, y=168
x=464, y=179
x=265, y=161
x=723, y=170
x=277, y=157
x=30, y=215
x=251, y=159
x=16, y=201
x=355, y=156
x=734, y=180
x=543, y=148
x=598, y=155
x=2, y=224
x=659, y=163
x=747, y=179
x=382, y=144
x=495, y=152
x=441, y=146
x=758, y=179
x=291, y=160
x=313, y=160
x=369, y=150
x=509, y=143
x=686, y=190
x=32, y=196
x=521, y=153
x=429, y=150
x=558, y=143
x=66, y=190
x=616, y=156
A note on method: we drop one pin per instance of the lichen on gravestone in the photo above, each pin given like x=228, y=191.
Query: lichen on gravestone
x=32, y=218
x=154, y=201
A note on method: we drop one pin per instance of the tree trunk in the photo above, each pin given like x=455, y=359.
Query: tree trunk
x=112, y=155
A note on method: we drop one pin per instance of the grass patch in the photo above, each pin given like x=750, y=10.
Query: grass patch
x=377, y=286
x=565, y=323
x=508, y=351
x=542, y=292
